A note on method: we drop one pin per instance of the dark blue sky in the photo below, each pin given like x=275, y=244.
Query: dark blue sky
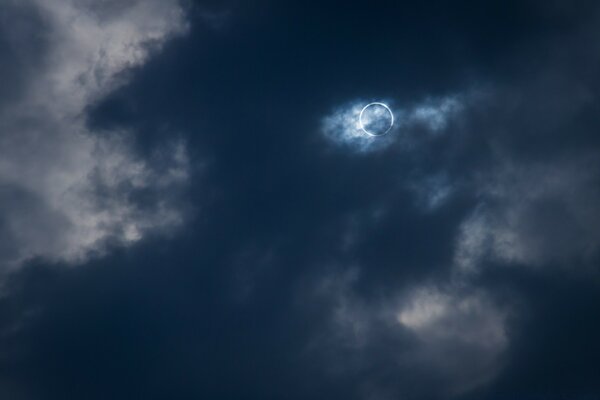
x=189, y=211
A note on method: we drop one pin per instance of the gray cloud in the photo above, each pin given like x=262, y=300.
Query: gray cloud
x=535, y=215
x=450, y=333
x=68, y=191
x=461, y=333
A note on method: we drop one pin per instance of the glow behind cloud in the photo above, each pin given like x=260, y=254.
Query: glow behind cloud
x=364, y=126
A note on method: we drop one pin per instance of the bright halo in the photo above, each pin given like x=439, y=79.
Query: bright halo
x=376, y=119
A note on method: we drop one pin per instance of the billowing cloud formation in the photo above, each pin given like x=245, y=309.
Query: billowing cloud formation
x=66, y=191
x=343, y=127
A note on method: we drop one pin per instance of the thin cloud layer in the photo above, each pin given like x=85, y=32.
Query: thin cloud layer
x=68, y=191
x=342, y=127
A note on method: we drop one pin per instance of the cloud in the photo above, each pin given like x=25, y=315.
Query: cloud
x=454, y=334
x=67, y=191
x=435, y=113
x=497, y=181
x=351, y=318
x=510, y=172
x=535, y=215
x=504, y=167
x=431, y=191
x=460, y=333
x=342, y=126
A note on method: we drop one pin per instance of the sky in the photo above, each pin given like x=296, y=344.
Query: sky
x=190, y=207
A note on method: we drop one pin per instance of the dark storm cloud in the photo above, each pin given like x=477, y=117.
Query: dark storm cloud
x=459, y=260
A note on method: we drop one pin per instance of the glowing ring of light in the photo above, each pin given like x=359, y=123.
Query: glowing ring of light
x=360, y=122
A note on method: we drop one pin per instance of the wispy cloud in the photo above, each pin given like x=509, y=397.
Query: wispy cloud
x=342, y=127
